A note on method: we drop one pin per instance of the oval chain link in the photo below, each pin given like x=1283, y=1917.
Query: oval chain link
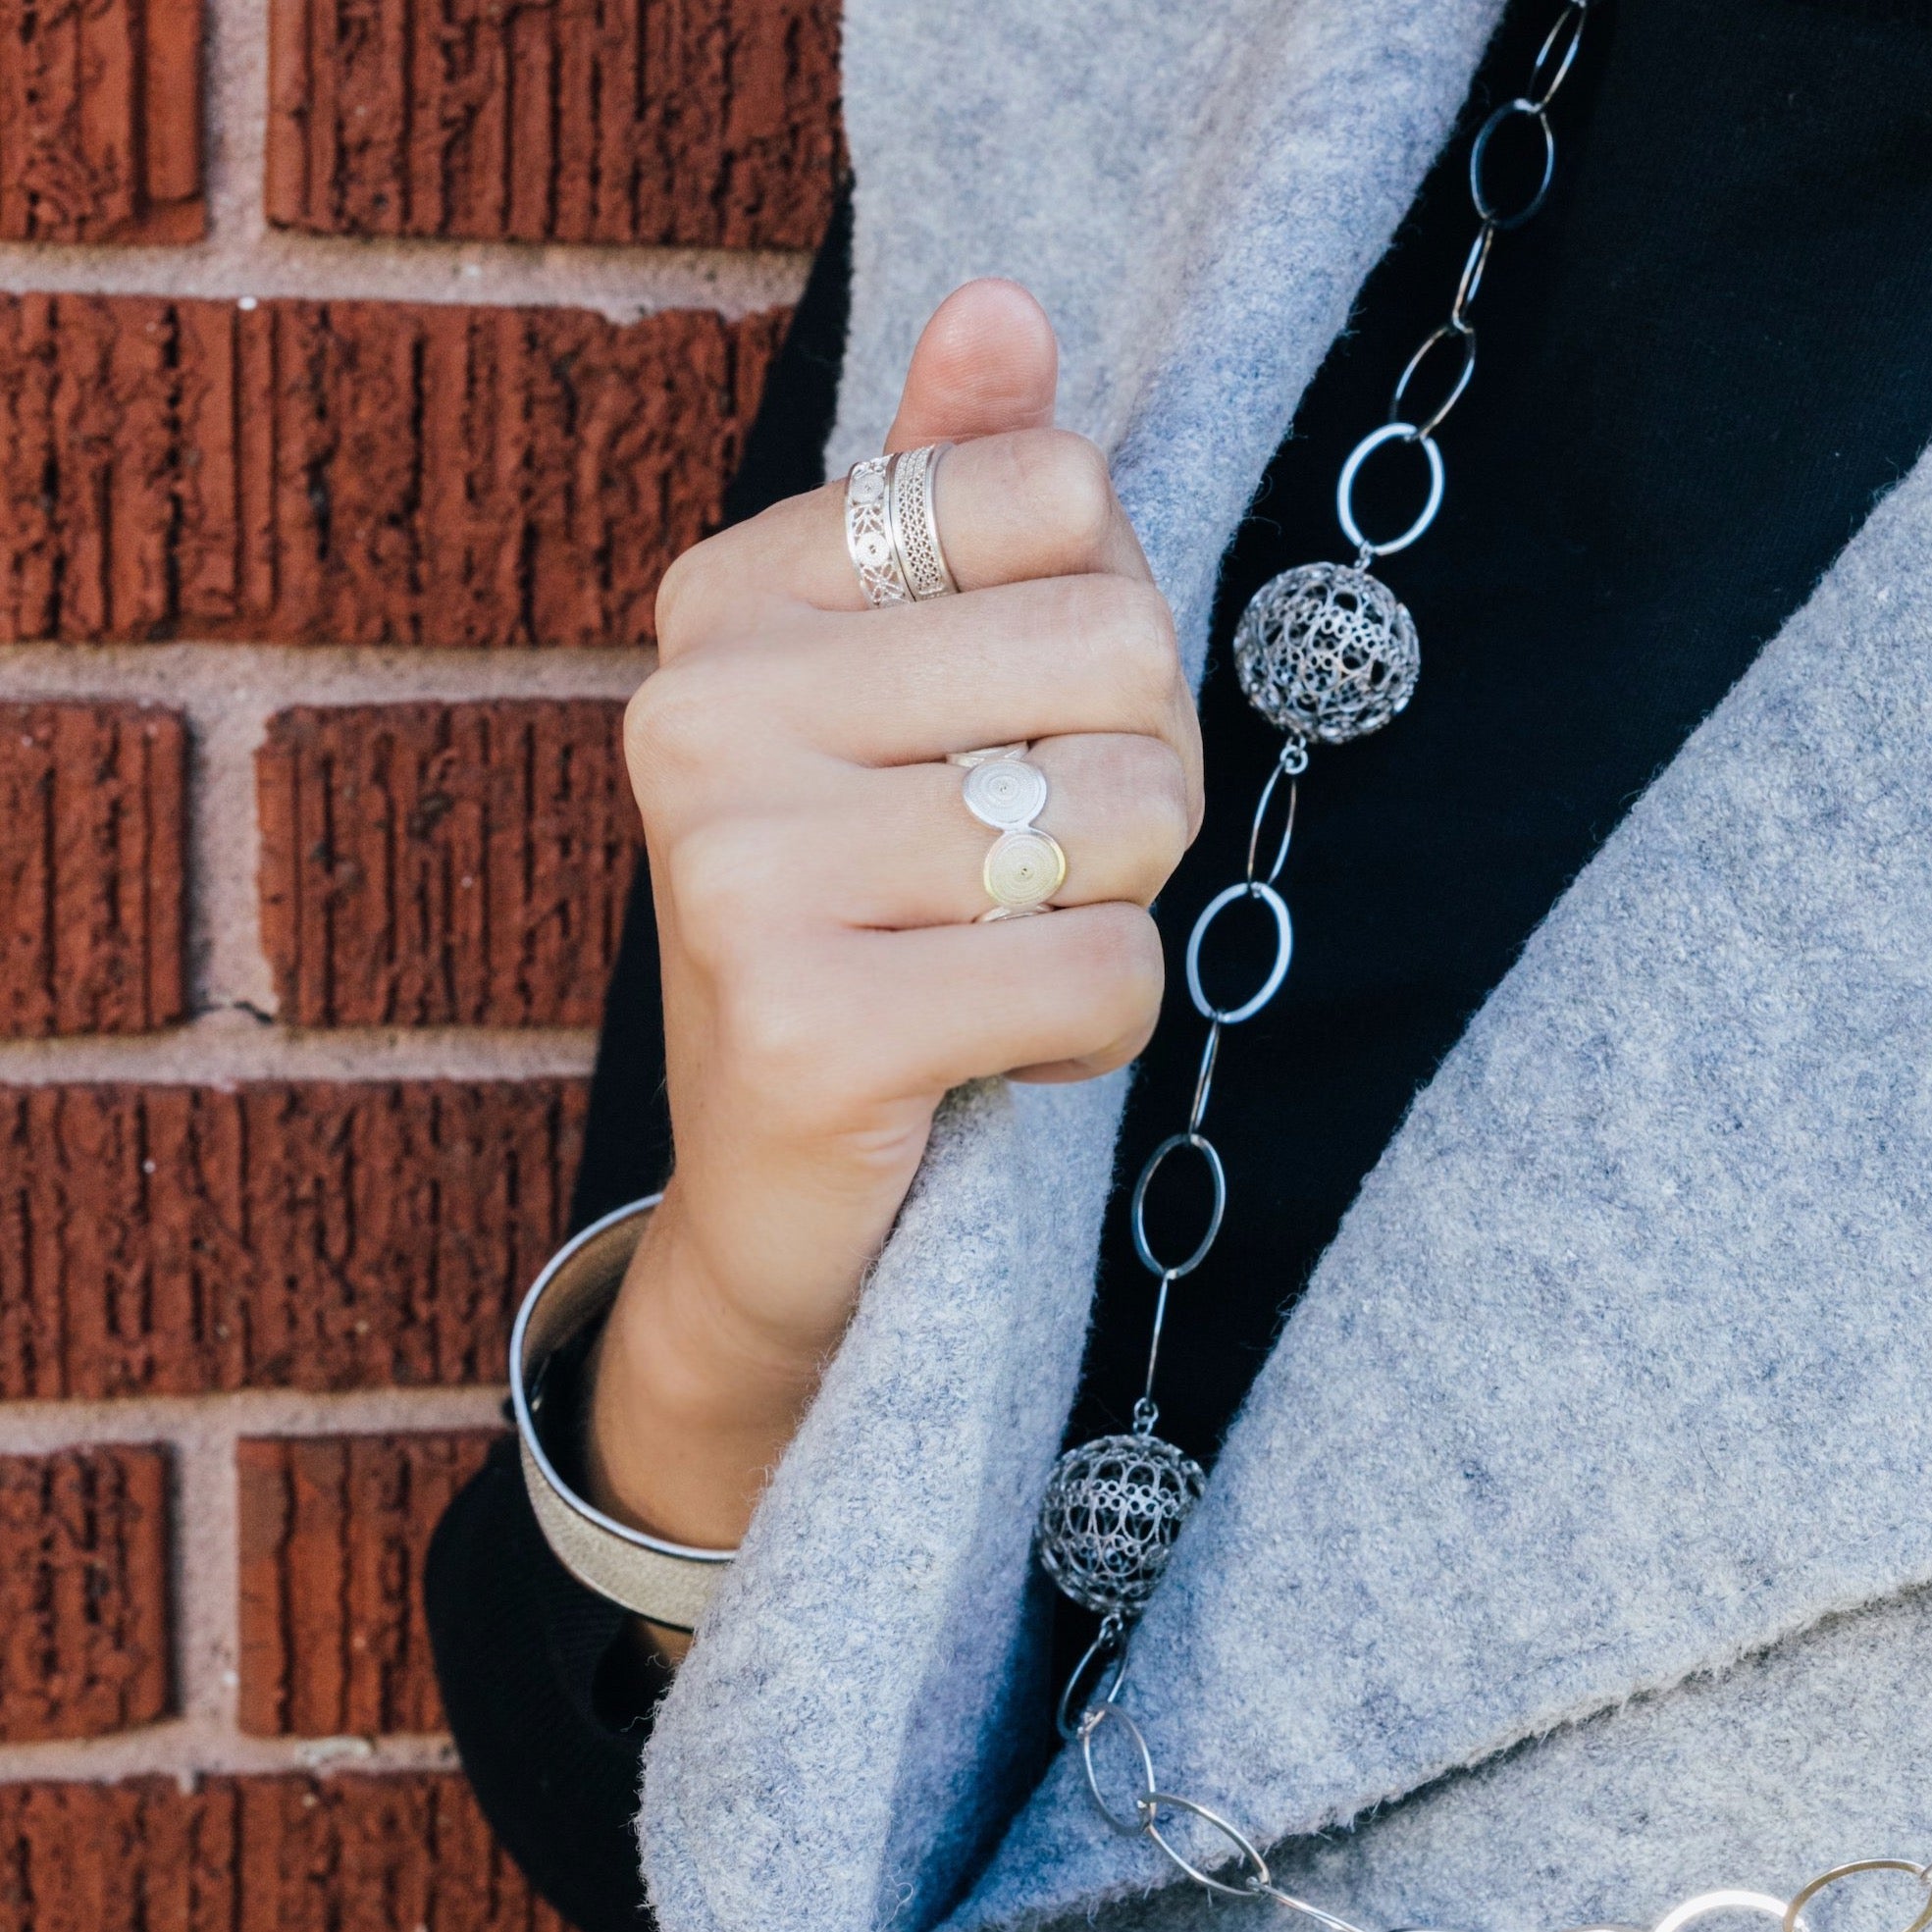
x=1253, y=1878
x=1548, y=73
x=1258, y=885
x=1105, y=1660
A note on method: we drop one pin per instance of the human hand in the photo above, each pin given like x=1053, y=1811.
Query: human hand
x=816, y=878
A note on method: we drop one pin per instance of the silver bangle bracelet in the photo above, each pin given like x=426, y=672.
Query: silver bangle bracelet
x=669, y=1583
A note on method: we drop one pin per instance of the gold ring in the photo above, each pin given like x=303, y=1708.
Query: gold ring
x=1023, y=872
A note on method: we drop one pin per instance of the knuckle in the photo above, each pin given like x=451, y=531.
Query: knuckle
x=657, y=719
x=1065, y=483
x=1124, y=968
x=771, y=1031
x=1131, y=624
x=680, y=594
x=784, y=1039
x=1160, y=792
x=1193, y=782
x=716, y=879
x=646, y=749
x=675, y=720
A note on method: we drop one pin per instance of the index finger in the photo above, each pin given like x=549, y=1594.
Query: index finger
x=1010, y=509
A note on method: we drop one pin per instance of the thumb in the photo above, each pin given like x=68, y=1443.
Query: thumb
x=986, y=363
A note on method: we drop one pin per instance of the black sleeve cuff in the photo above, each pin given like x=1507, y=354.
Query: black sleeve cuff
x=549, y=1696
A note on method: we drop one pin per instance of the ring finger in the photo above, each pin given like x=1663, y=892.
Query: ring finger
x=1116, y=804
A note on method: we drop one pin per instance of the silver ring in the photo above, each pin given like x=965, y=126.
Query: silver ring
x=1006, y=794
x=1018, y=749
x=1024, y=866
x=914, y=523
x=868, y=533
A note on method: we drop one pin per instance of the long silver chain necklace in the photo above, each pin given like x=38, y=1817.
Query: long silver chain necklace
x=1326, y=652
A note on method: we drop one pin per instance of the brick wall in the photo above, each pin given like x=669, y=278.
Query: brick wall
x=361, y=368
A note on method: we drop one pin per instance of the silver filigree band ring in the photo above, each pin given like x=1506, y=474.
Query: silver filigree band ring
x=1024, y=866
x=892, y=528
x=914, y=522
x=868, y=533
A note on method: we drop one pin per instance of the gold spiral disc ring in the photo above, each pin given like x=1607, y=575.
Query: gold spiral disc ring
x=1025, y=869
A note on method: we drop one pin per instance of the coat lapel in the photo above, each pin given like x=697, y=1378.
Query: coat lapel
x=1614, y=1373
x=1195, y=192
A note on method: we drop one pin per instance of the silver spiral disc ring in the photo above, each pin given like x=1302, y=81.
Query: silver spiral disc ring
x=1005, y=792
x=967, y=760
x=1024, y=869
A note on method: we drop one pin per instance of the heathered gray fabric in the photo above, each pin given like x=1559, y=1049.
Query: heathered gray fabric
x=1760, y=1779
x=851, y=1682
x=1195, y=194
x=1594, y=1391
x=1614, y=1374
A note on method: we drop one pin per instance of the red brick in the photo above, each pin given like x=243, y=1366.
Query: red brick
x=363, y=473
x=445, y=865
x=704, y=123
x=354, y=1854
x=334, y=1533
x=93, y=868
x=100, y=120
x=174, y=1239
x=83, y=1592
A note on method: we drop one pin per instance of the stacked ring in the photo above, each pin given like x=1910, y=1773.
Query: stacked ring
x=868, y=533
x=915, y=525
x=1024, y=865
x=891, y=528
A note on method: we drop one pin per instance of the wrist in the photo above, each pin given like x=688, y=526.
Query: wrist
x=693, y=1397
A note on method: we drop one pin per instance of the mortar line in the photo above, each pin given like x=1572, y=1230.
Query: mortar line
x=205, y=677
x=204, y=1547
x=43, y=1427
x=188, y=1749
x=204, y=1562
x=621, y=283
x=227, y=1047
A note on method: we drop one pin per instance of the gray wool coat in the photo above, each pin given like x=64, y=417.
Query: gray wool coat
x=1571, y=1553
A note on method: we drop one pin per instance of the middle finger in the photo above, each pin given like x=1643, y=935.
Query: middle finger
x=914, y=685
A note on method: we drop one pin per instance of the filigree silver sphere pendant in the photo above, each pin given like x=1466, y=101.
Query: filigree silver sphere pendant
x=1326, y=652
x=1113, y=1509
